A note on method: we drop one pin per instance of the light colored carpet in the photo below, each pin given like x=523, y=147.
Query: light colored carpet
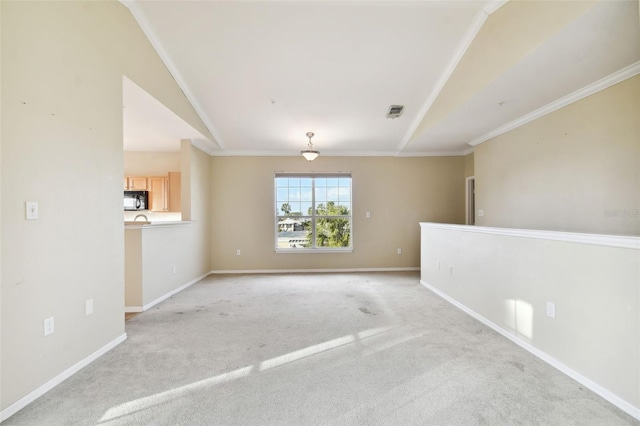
x=305, y=349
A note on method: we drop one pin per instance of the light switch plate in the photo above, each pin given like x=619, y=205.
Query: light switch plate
x=32, y=210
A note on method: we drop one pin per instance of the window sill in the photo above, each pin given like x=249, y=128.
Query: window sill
x=314, y=251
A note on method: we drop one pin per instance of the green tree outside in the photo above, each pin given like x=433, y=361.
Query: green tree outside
x=331, y=231
x=286, y=209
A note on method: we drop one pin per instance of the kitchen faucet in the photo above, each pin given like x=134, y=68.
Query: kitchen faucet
x=141, y=215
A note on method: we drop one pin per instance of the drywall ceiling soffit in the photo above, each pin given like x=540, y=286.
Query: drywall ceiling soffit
x=505, y=38
x=561, y=62
x=262, y=74
x=148, y=125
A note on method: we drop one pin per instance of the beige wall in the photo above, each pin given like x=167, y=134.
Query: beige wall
x=468, y=165
x=62, y=67
x=153, y=252
x=399, y=193
x=145, y=163
x=133, y=269
x=184, y=247
x=199, y=201
x=508, y=280
x=576, y=169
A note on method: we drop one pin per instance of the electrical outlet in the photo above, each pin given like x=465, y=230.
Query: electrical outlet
x=368, y=215
x=551, y=309
x=480, y=212
x=49, y=326
x=88, y=307
x=238, y=252
x=399, y=251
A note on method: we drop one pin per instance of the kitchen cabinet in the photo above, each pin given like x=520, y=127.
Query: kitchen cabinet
x=158, y=193
x=164, y=191
x=135, y=183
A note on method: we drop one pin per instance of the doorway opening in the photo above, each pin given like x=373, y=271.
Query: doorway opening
x=470, y=194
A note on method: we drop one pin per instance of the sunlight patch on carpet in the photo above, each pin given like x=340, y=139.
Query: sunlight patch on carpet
x=368, y=341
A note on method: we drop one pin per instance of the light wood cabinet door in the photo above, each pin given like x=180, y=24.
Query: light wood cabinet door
x=138, y=183
x=158, y=193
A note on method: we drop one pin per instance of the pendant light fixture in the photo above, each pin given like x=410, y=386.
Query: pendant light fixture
x=310, y=154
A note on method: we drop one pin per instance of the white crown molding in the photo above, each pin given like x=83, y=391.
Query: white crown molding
x=342, y=153
x=592, y=88
x=358, y=153
x=494, y=5
x=148, y=30
x=260, y=154
x=471, y=34
x=297, y=154
x=618, y=241
x=468, y=151
x=457, y=153
x=205, y=145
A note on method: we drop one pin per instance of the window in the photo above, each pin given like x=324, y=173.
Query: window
x=313, y=212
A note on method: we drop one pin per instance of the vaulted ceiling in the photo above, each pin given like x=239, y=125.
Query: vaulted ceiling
x=263, y=73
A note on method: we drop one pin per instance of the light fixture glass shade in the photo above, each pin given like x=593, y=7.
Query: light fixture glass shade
x=310, y=155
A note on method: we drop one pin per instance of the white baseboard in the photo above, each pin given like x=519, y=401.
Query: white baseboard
x=171, y=293
x=306, y=271
x=132, y=309
x=32, y=396
x=604, y=393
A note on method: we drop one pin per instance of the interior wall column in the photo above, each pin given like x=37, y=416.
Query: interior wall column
x=185, y=182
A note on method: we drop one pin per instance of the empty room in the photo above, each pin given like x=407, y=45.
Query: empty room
x=334, y=212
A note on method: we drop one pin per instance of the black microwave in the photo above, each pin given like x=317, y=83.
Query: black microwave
x=136, y=200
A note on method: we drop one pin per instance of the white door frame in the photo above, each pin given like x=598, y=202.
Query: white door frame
x=470, y=201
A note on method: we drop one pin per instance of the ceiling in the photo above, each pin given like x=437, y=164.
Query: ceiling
x=148, y=125
x=263, y=73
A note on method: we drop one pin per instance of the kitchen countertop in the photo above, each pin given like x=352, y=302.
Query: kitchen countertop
x=146, y=225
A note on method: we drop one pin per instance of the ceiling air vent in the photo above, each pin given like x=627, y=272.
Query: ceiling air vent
x=395, y=111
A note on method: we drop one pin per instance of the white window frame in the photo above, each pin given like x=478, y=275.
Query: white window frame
x=313, y=216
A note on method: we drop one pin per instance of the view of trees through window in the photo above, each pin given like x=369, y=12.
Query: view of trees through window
x=313, y=211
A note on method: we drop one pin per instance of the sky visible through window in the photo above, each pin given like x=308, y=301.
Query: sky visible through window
x=313, y=212
x=298, y=194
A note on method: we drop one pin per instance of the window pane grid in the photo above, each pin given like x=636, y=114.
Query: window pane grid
x=313, y=212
